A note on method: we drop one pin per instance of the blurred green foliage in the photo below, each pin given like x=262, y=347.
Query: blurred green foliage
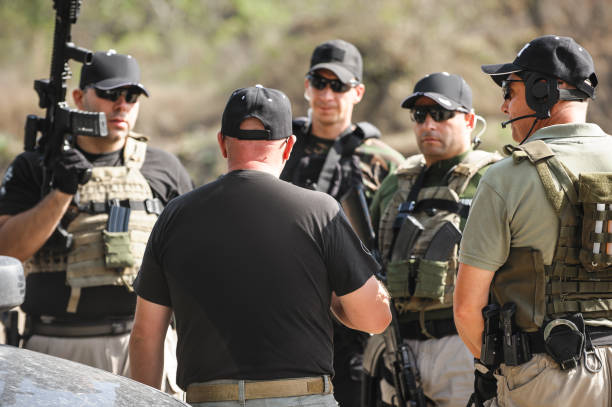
x=193, y=53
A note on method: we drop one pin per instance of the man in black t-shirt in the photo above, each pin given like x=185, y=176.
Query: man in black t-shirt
x=79, y=300
x=251, y=266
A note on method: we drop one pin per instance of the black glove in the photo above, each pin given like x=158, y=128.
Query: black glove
x=485, y=385
x=70, y=170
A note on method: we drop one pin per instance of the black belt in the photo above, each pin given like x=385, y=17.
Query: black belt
x=600, y=336
x=152, y=205
x=438, y=328
x=78, y=329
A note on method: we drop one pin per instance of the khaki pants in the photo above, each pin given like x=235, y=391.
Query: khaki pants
x=447, y=371
x=541, y=383
x=108, y=353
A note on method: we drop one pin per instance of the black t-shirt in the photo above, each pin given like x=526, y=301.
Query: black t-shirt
x=47, y=293
x=248, y=264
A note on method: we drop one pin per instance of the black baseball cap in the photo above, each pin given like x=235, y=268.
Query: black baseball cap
x=552, y=55
x=340, y=57
x=448, y=90
x=109, y=70
x=272, y=107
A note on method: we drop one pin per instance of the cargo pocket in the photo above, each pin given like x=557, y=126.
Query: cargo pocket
x=400, y=278
x=431, y=280
x=117, y=253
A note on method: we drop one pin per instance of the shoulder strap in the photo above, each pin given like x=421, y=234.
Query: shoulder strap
x=134, y=152
x=549, y=168
x=300, y=126
x=344, y=145
x=368, y=130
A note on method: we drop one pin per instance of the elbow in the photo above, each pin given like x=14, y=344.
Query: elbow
x=462, y=314
x=382, y=323
x=380, y=320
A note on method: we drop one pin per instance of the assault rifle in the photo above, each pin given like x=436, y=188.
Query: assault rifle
x=406, y=378
x=61, y=123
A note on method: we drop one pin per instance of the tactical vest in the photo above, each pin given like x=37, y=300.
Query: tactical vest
x=579, y=280
x=98, y=256
x=341, y=169
x=417, y=284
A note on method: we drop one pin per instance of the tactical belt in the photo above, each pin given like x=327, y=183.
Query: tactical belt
x=438, y=328
x=153, y=205
x=601, y=336
x=249, y=390
x=77, y=329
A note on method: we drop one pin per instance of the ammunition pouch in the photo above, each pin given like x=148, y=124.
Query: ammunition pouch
x=117, y=252
x=431, y=280
x=417, y=277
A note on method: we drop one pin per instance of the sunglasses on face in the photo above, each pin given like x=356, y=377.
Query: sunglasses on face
x=506, y=87
x=320, y=83
x=130, y=94
x=439, y=114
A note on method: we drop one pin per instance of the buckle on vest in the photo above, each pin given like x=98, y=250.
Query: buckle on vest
x=153, y=206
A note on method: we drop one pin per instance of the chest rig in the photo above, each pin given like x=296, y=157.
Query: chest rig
x=110, y=227
x=341, y=168
x=579, y=280
x=419, y=284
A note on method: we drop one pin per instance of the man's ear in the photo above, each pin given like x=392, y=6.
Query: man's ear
x=470, y=120
x=222, y=146
x=359, y=90
x=288, y=147
x=77, y=95
x=307, y=90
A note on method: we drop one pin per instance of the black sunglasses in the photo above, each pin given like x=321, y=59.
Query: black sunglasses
x=130, y=94
x=319, y=82
x=506, y=87
x=439, y=114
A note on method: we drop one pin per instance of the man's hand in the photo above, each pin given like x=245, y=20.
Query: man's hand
x=485, y=385
x=71, y=170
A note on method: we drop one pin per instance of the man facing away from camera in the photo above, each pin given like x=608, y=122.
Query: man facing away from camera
x=252, y=293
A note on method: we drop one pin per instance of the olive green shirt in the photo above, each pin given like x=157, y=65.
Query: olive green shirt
x=511, y=209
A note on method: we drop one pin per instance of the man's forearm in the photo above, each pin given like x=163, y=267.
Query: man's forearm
x=146, y=360
x=470, y=297
x=470, y=328
x=23, y=234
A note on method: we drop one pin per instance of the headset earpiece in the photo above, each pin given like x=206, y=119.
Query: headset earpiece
x=541, y=94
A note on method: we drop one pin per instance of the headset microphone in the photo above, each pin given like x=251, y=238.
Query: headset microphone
x=507, y=122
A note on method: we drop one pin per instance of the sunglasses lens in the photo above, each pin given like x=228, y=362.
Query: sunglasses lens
x=131, y=95
x=338, y=86
x=419, y=115
x=318, y=82
x=438, y=114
